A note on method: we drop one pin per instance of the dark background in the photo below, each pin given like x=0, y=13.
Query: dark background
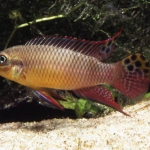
x=85, y=19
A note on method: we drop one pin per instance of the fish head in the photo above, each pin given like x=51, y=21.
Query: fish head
x=11, y=66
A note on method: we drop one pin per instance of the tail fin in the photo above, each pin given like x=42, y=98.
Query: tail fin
x=133, y=76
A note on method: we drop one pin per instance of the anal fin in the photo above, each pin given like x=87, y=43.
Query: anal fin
x=100, y=95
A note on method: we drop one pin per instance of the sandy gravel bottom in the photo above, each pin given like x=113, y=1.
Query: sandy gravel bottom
x=112, y=132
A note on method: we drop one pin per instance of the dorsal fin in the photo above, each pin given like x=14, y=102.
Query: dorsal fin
x=98, y=49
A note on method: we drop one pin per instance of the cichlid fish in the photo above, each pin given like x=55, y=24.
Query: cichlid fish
x=65, y=63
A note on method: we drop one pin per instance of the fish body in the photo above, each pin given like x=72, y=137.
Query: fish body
x=40, y=66
x=72, y=64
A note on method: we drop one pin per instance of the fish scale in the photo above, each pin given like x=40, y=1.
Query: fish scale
x=50, y=62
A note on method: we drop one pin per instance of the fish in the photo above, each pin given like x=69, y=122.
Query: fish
x=71, y=64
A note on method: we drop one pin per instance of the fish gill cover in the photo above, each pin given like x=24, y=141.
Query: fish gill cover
x=86, y=19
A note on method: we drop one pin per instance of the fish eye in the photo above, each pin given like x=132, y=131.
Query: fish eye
x=3, y=59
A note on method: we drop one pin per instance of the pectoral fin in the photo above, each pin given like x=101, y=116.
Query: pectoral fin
x=17, y=68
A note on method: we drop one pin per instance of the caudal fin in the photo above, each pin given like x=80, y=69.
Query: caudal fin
x=133, y=76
